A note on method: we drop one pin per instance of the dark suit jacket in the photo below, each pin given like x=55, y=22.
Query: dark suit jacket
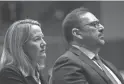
x=12, y=75
x=74, y=67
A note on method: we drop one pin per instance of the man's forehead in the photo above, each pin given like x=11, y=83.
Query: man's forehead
x=88, y=17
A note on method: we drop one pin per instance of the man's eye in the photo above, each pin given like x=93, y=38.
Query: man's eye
x=95, y=24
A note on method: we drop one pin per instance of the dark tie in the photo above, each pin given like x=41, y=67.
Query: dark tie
x=97, y=59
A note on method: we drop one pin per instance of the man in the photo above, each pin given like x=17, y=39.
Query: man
x=81, y=63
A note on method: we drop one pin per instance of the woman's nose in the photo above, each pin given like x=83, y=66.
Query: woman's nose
x=43, y=44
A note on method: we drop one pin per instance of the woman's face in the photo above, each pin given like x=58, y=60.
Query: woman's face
x=35, y=47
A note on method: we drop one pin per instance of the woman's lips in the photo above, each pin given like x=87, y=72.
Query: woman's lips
x=43, y=53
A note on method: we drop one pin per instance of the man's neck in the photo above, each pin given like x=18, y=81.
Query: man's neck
x=92, y=49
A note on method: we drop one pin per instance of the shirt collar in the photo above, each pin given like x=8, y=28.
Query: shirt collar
x=90, y=54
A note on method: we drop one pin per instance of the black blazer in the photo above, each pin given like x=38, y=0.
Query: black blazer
x=74, y=67
x=12, y=75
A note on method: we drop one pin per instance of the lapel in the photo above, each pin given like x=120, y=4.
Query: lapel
x=113, y=69
x=42, y=80
x=88, y=61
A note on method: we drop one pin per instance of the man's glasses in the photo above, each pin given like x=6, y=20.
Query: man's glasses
x=94, y=24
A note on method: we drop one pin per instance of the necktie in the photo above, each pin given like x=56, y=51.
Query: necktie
x=97, y=59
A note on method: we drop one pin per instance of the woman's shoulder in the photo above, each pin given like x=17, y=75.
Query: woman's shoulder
x=10, y=73
x=10, y=70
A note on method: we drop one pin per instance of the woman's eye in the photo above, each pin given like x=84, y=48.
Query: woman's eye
x=37, y=38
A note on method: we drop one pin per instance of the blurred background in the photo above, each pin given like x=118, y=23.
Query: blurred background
x=51, y=13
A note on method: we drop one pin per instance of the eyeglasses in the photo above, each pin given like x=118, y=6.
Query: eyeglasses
x=94, y=24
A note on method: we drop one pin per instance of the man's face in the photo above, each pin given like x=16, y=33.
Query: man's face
x=91, y=29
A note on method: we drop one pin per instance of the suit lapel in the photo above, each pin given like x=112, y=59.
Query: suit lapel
x=113, y=69
x=88, y=61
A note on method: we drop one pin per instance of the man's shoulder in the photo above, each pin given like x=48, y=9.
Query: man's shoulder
x=68, y=55
x=68, y=58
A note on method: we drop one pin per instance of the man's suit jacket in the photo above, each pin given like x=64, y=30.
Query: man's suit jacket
x=74, y=67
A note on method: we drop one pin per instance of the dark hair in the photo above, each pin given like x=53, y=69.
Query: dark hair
x=72, y=20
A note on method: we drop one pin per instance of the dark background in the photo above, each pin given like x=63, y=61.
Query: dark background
x=51, y=13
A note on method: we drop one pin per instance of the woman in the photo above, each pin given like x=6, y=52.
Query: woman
x=23, y=54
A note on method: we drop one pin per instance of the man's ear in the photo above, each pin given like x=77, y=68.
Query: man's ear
x=76, y=33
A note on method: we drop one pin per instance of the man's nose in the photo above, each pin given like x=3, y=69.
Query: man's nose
x=101, y=28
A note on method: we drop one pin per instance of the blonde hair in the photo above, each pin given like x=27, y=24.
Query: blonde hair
x=13, y=54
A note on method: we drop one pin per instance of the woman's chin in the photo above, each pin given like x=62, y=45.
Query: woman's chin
x=40, y=66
